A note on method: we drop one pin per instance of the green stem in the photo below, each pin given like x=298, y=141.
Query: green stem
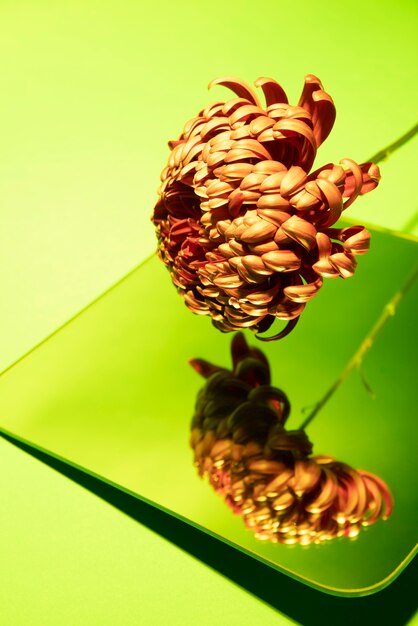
x=382, y=155
x=388, y=311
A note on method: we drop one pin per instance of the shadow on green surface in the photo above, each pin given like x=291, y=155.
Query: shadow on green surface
x=393, y=605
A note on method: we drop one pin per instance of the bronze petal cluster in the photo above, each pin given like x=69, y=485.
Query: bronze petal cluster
x=245, y=230
x=264, y=472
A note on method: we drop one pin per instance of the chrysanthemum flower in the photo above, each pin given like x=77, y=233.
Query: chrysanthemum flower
x=244, y=228
x=266, y=473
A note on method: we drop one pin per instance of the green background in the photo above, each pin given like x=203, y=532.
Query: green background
x=91, y=92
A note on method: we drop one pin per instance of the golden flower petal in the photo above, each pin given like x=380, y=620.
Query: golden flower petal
x=278, y=110
x=202, y=172
x=217, y=188
x=187, y=173
x=286, y=309
x=258, y=232
x=240, y=320
x=272, y=183
x=252, y=181
x=212, y=109
x=327, y=495
x=189, y=126
x=197, y=306
x=239, y=154
x=301, y=231
x=253, y=146
x=347, y=500
x=320, y=106
x=232, y=105
x=333, y=199
x=214, y=124
x=375, y=501
x=384, y=490
x=241, y=132
x=370, y=177
x=234, y=171
x=358, y=241
x=255, y=264
x=214, y=205
x=306, y=477
x=303, y=200
x=275, y=486
x=284, y=501
x=273, y=201
x=273, y=215
x=259, y=124
x=324, y=245
x=287, y=127
x=244, y=113
x=254, y=310
x=293, y=179
x=262, y=297
x=269, y=167
x=273, y=92
x=235, y=203
x=323, y=459
x=354, y=479
x=238, y=86
x=266, y=135
x=228, y=280
x=238, y=247
x=354, y=181
x=226, y=251
x=334, y=173
x=303, y=293
x=344, y=262
x=282, y=260
x=266, y=466
x=325, y=268
x=250, y=197
x=216, y=158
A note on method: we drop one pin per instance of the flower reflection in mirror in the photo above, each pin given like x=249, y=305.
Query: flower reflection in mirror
x=266, y=473
x=243, y=225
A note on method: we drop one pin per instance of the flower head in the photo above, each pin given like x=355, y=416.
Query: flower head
x=266, y=473
x=243, y=226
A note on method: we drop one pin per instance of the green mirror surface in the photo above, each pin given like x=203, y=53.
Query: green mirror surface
x=112, y=391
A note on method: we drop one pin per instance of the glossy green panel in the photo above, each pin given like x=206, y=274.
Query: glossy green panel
x=112, y=391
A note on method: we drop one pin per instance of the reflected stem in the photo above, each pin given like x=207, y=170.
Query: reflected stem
x=382, y=155
x=355, y=362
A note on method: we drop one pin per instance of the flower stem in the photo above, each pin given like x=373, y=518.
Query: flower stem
x=382, y=155
x=388, y=311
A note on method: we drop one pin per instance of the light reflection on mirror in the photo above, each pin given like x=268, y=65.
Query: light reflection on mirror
x=267, y=474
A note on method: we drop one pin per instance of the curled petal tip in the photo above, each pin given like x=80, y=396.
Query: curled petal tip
x=320, y=106
x=312, y=79
x=273, y=92
x=204, y=368
x=238, y=86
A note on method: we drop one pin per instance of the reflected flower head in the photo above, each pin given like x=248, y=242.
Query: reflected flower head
x=244, y=226
x=266, y=473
